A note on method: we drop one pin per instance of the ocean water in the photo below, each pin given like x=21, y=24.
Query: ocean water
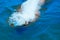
x=47, y=27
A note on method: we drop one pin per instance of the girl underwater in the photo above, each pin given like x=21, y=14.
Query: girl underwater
x=29, y=12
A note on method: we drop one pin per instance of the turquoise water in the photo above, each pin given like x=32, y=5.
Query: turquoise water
x=47, y=27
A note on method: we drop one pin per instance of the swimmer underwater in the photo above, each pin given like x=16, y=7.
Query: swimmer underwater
x=28, y=13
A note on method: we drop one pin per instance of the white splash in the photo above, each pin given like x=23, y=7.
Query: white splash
x=28, y=12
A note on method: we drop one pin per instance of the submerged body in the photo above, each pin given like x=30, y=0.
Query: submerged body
x=28, y=13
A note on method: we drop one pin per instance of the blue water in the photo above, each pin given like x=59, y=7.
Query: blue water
x=47, y=27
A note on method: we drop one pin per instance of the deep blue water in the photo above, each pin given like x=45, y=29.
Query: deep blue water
x=47, y=27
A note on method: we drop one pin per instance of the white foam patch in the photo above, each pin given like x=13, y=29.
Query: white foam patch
x=17, y=19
